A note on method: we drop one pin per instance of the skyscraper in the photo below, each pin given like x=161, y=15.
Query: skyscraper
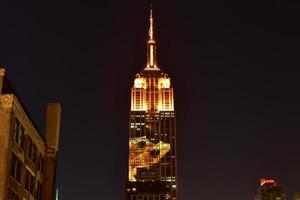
x=270, y=190
x=152, y=132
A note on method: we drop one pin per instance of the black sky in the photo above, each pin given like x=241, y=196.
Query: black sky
x=234, y=66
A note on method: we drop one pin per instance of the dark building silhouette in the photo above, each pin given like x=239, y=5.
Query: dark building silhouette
x=297, y=196
x=152, y=132
x=270, y=190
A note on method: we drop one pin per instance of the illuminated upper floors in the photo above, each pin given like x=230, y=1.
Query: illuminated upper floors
x=152, y=92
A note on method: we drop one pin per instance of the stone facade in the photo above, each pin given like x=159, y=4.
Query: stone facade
x=25, y=170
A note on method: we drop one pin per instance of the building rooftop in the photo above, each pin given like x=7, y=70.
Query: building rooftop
x=7, y=88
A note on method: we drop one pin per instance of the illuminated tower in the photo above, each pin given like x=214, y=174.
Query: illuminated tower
x=270, y=190
x=152, y=132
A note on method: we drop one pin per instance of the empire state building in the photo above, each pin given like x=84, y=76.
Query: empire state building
x=152, y=173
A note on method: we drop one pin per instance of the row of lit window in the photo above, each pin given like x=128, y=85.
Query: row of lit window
x=163, y=114
x=137, y=115
x=149, y=197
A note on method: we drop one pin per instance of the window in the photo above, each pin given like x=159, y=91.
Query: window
x=16, y=130
x=31, y=151
x=15, y=168
x=39, y=191
x=41, y=163
x=29, y=182
x=18, y=133
x=12, y=195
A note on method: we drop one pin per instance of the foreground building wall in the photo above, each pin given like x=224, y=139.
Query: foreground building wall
x=52, y=145
x=24, y=153
x=5, y=121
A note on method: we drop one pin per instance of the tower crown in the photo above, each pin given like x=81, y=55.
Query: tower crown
x=264, y=181
x=151, y=46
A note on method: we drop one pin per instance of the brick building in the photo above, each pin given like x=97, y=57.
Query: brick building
x=27, y=157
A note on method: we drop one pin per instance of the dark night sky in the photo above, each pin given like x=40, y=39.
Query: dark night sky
x=234, y=66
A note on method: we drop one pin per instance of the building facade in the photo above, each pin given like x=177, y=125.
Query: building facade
x=27, y=159
x=270, y=190
x=152, y=173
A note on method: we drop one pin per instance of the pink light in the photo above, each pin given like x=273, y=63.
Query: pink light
x=265, y=181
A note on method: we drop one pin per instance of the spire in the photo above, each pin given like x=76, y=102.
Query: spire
x=151, y=46
x=151, y=24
